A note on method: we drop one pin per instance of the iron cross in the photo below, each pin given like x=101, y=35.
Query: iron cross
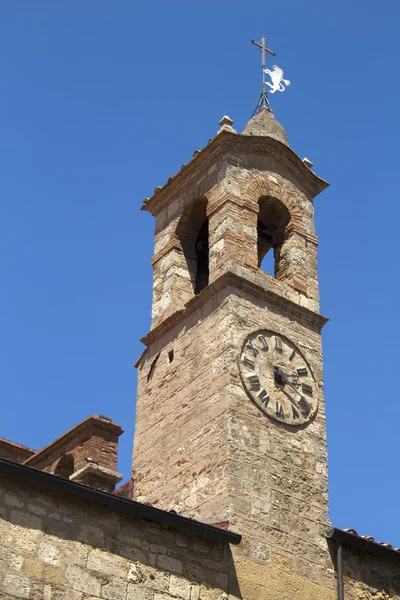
x=263, y=101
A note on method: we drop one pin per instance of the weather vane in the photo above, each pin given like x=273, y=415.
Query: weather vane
x=278, y=83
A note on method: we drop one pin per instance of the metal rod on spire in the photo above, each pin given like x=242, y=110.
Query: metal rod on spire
x=263, y=100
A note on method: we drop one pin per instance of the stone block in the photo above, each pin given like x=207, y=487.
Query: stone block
x=82, y=581
x=89, y=534
x=16, y=585
x=52, y=574
x=106, y=563
x=114, y=590
x=162, y=597
x=33, y=567
x=79, y=554
x=169, y=564
x=26, y=520
x=179, y=587
x=13, y=500
x=71, y=594
x=49, y=554
x=157, y=580
x=139, y=593
x=36, y=509
x=16, y=562
x=24, y=545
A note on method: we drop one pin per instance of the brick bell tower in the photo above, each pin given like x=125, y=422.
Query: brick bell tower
x=230, y=422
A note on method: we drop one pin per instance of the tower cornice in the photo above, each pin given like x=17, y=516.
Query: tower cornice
x=237, y=281
x=225, y=142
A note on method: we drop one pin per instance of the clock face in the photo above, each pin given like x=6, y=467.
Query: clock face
x=277, y=378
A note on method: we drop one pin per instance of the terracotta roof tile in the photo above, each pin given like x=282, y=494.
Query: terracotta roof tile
x=369, y=538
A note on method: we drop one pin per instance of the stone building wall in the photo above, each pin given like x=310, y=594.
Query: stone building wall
x=368, y=577
x=56, y=547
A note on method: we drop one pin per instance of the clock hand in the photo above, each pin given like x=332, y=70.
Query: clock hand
x=294, y=375
x=282, y=377
x=290, y=384
x=303, y=404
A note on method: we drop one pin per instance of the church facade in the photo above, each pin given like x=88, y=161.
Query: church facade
x=229, y=490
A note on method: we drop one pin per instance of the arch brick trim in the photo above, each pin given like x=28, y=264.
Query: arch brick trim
x=260, y=186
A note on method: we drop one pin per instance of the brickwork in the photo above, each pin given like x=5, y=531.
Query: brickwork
x=14, y=451
x=53, y=547
x=87, y=453
x=231, y=175
x=95, y=437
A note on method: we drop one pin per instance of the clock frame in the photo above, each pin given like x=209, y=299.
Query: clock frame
x=277, y=377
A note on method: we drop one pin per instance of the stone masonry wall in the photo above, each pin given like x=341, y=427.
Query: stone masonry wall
x=203, y=445
x=278, y=474
x=55, y=547
x=369, y=577
x=180, y=449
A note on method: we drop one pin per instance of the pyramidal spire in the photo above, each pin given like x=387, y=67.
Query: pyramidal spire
x=264, y=123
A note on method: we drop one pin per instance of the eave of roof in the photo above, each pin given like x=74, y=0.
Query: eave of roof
x=217, y=146
x=366, y=544
x=117, y=503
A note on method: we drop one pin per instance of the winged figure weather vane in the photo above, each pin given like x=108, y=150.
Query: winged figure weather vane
x=279, y=84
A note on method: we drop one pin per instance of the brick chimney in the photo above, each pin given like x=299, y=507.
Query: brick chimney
x=87, y=454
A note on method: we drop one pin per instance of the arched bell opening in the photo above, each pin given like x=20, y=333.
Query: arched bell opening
x=65, y=466
x=273, y=218
x=192, y=232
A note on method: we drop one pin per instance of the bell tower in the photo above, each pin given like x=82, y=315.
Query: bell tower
x=230, y=422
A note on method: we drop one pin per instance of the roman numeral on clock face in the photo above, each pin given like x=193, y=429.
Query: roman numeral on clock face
x=278, y=343
x=295, y=414
x=248, y=362
x=254, y=382
x=263, y=342
x=279, y=410
x=250, y=346
x=302, y=372
x=264, y=397
x=305, y=406
x=291, y=357
x=307, y=389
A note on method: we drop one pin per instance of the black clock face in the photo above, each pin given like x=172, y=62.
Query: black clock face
x=277, y=377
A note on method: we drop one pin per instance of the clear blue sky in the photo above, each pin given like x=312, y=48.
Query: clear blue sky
x=100, y=102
